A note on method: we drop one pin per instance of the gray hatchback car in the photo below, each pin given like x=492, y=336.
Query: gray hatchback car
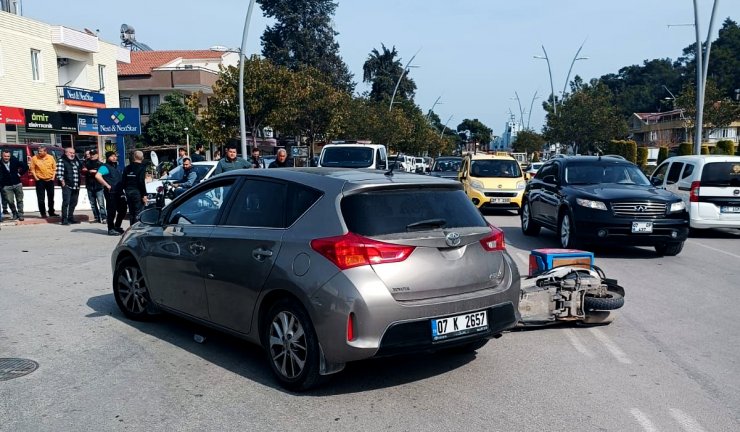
x=322, y=266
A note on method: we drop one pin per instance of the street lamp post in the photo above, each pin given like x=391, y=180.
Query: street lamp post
x=187, y=140
x=552, y=87
x=444, y=128
x=531, y=104
x=405, y=70
x=242, y=56
x=575, y=58
x=429, y=114
x=702, y=66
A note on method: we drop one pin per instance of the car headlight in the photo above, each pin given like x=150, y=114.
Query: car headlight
x=520, y=185
x=477, y=184
x=597, y=205
x=678, y=206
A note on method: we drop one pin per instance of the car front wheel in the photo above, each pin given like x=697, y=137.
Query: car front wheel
x=529, y=227
x=130, y=290
x=566, y=231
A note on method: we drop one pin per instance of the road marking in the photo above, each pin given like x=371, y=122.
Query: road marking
x=577, y=343
x=611, y=346
x=686, y=421
x=714, y=249
x=644, y=421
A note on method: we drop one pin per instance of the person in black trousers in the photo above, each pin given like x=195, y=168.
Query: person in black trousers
x=134, y=185
x=115, y=201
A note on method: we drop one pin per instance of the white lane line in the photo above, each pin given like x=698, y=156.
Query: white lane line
x=611, y=346
x=644, y=421
x=577, y=343
x=686, y=422
x=714, y=249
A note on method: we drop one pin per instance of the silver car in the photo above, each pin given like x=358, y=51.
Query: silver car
x=322, y=266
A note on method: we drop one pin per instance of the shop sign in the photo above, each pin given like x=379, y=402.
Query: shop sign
x=12, y=116
x=84, y=98
x=47, y=121
x=119, y=121
x=87, y=125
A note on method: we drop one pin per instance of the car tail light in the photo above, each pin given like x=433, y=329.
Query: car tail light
x=694, y=193
x=351, y=250
x=350, y=327
x=495, y=241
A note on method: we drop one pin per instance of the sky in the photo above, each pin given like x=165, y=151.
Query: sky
x=474, y=55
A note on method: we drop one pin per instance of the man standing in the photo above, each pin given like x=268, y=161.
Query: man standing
x=43, y=168
x=11, y=170
x=134, y=185
x=69, y=170
x=182, y=153
x=199, y=155
x=115, y=201
x=230, y=162
x=189, y=178
x=281, y=160
x=94, y=189
x=256, y=160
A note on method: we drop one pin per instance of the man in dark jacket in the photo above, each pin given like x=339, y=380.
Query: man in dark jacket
x=281, y=159
x=11, y=170
x=199, y=155
x=69, y=170
x=134, y=185
x=256, y=160
x=230, y=162
x=115, y=201
x=94, y=189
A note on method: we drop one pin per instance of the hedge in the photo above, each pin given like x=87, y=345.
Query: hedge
x=726, y=147
x=685, y=149
x=642, y=154
x=662, y=154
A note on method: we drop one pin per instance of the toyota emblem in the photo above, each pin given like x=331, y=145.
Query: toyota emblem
x=640, y=208
x=453, y=239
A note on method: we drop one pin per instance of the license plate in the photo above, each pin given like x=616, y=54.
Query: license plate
x=642, y=227
x=450, y=327
x=500, y=200
x=729, y=209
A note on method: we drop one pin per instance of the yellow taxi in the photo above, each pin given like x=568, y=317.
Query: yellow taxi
x=493, y=181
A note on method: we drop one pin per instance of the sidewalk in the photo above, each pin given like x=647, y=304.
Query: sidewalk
x=34, y=218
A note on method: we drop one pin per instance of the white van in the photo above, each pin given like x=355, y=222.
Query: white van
x=371, y=156
x=709, y=185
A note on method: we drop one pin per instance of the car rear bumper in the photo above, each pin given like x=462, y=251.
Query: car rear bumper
x=709, y=215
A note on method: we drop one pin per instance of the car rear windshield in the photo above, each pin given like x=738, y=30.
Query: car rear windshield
x=495, y=168
x=347, y=157
x=721, y=174
x=447, y=165
x=585, y=174
x=382, y=212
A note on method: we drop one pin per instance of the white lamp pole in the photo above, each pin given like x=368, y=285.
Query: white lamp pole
x=242, y=57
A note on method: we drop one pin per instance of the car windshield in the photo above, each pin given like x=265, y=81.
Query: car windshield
x=495, y=168
x=721, y=174
x=447, y=165
x=177, y=172
x=409, y=210
x=582, y=174
x=347, y=157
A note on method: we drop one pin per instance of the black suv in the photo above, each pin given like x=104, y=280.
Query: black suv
x=603, y=199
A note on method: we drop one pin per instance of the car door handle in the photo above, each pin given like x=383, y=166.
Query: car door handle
x=261, y=254
x=196, y=248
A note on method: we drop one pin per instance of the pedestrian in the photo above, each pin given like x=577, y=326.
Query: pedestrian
x=199, y=155
x=134, y=185
x=115, y=201
x=256, y=160
x=69, y=170
x=94, y=189
x=189, y=178
x=43, y=169
x=281, y=159
x=217, y=155
x=11, y=170
x=182, y=153
x=230, y=162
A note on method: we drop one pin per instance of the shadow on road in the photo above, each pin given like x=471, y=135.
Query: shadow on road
x=716, y=233
x=249, y=361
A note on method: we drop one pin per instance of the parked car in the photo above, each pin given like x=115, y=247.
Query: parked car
x=446, y=167
x=709, y=185
x=204, y=170
x=493, y=182
x=298, y=261
x=420, y=165
x=24, y=152
x=603, y=199
x=372, y=156
x=532, y=169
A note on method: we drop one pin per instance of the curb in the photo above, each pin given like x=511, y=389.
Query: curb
x=38, y=220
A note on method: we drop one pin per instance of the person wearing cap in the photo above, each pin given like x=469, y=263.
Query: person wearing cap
x=94, y=189
x=115, y=201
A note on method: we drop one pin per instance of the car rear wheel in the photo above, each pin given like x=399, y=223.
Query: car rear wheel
x=292, y=346
x=529, y=227
x=566, y=231
x=669, y=249
x=130, y=290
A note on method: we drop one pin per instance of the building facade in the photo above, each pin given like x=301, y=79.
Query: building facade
x=52, y=80
x=671, y=128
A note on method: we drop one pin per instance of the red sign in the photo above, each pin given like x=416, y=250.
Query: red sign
x=12, y=116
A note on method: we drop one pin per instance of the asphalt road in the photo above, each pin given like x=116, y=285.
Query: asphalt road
x=668, y=363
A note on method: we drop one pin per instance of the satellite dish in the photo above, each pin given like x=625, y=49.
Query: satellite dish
x=155, y=159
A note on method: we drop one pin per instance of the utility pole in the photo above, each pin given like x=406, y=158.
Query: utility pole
x=702, y=65
x=242, y=57
x=405, y=70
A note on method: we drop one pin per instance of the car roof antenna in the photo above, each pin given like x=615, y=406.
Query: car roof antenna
x=389, y=173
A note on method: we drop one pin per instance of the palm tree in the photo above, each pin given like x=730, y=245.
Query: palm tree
x=383, y=70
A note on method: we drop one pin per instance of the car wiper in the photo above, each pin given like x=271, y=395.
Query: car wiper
x=427, y=223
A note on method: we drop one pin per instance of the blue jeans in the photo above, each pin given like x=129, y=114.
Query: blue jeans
x=97, y=204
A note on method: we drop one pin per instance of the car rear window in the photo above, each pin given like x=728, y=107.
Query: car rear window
x=347, y=157
x=721, y=174
x=382, y=212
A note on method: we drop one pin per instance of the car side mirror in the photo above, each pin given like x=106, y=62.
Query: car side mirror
x=150, y=216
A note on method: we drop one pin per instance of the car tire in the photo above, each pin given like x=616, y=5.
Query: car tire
x=291, y=345
x=529, y=227
x=130, y=290
x=669, y=249
x=566, y=231
x=614, y=300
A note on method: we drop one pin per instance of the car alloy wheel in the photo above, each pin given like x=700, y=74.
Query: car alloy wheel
x=529, y=227
x=130, y=290
x=566, y=232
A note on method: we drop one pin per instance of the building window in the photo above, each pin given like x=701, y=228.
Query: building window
x=36, y=64
x=101, y=77
x=125, y=102
x=148, y=104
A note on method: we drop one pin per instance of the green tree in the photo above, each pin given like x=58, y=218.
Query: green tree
x=662, y=154
x=642, y=155
x=528, y=141
x=167, y=124
x=382, y=69
x=479, y=133
x=303, y=36
x=719, y=110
